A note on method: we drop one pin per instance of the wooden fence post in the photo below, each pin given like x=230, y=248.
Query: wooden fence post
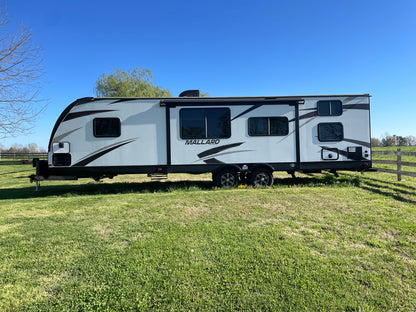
x=399, y=164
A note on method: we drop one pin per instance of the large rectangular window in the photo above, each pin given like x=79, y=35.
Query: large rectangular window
x=333, y=131
x=329, y=108
x=107, y=127
x=264, y=126
x=205, y=123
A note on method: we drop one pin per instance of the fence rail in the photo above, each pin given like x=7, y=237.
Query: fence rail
x=398, y=162
x=27, y=156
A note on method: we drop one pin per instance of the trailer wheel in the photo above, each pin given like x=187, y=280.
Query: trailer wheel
x=262, y=177
x=227, y=178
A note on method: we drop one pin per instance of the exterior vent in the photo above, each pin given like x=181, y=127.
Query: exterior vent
x=189, y=93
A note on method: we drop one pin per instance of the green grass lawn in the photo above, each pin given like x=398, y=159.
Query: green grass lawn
x=314, y=243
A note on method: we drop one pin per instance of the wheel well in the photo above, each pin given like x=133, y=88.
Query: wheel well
x=262, y=166
x=233, y=167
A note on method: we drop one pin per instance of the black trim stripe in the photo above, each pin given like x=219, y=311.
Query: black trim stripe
x=60, y=137
x=213, y=161
x=247, y=111
x=87, y=160
x=173, y=102
x=85, y=113
x=304, y=116
x=218, y=149
x=122, y=100
x=356, y=106
x=81, y=101
x=366, y=144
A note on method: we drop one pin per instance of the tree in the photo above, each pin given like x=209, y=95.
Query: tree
x=131, y=83
x=20, y=70
x=411, y=140
x=401, y=141
x=375, y=142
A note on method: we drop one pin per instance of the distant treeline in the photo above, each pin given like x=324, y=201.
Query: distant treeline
x=394, y=140
x=19, y=148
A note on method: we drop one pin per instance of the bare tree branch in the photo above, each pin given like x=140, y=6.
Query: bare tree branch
x=20, y=72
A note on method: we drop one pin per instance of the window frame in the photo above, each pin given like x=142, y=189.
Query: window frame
x=268, y=126
x=94, y=127
x=330, y=140
x=330, y=107
x=206, y=123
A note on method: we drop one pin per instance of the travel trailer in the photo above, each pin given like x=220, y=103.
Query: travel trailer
x=237, y=139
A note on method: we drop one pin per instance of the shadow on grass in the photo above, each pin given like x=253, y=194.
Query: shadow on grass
x=395, y=190
x=312, y=180
x=103, y=188
x=69, y=190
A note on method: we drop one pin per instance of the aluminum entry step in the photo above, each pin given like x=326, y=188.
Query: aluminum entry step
x=157, y=176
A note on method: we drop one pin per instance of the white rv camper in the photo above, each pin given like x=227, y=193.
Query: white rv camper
x=235, y=138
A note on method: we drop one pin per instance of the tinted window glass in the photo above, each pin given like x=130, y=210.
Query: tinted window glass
x=336, y=108
x=268, y=126
x=192, y=123
x=107, y=127
x=258, y=126
x=323, y=108
x=279, y=126
x=205, y=123
x=218, y=123
x=329, y=108
x=330, y=132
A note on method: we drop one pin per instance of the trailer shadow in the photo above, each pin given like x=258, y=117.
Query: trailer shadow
x=102, y=188
x=396, y=190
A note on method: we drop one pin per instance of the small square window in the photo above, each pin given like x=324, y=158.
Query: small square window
x=107, y=127
x=330, y=132
x=330, y=108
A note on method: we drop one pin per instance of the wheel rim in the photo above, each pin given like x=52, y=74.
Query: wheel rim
x=262, y=179
x=227, y=179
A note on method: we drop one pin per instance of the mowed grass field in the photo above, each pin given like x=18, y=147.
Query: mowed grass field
x=313, y=243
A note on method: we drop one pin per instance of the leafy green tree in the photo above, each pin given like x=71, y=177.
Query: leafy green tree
x=131, y=83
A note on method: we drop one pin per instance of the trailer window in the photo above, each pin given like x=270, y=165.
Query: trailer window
x=330, y=108
x=262, y=126
x=107, y=127
x=205, y=123
x=330, y=132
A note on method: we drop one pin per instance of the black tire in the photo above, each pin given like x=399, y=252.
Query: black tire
x=227, y=178
x=262, y=177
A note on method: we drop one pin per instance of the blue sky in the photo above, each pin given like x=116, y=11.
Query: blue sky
x=229, y=48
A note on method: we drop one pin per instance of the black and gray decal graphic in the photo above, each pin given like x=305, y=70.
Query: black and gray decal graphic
x=97, y=154
x=304, y=116
x=366, y=144
x=213, y=161
x=85, y=113
x=331, y=149
x=247, y=111
x=341, y=152
x=356, y=106
x=218, y=149
x=60, y=137
x=208, y=156
x=121, y=100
